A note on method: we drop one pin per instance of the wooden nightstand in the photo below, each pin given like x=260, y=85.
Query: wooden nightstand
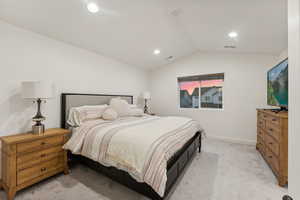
x=28, y=159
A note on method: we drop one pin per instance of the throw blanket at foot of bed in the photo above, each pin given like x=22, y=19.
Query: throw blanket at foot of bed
x=140, y=146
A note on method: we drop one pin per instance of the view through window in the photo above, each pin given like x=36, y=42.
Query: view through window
x=202, y=91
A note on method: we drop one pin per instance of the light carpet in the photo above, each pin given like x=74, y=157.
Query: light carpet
x=223, y=171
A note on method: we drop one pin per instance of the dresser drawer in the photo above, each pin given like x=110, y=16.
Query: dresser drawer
x=272, y=144
x=261, y=123
x=274, y=120
x=261, y=133
x=263, y=115
x=40, y=169
x=272, y=160
x=260, y=146
x=30, y=159
x=272, y=141
x=275, y=124
x=273, y=131
x=39, y=144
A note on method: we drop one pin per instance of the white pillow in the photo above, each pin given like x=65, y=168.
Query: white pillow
x=81, y=114
x=120, y=106
x=110, y=114
x=136, y=112
x=73, y=119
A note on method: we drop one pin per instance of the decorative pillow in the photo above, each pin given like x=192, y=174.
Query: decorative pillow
x=120, y=106
x=136, y=112
x=110, y=114
x=81, y=114
x=73, y=119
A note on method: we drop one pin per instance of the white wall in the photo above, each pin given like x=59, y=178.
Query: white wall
x=244, y=91
x=294, y=98
x=28, y=56
x=283, y=55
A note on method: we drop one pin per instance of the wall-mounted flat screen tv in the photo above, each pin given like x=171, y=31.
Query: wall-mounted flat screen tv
x=278, y=85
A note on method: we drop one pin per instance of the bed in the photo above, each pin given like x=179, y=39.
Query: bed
x=176, y=161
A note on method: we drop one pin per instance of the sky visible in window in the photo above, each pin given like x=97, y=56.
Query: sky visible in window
x=191, y=85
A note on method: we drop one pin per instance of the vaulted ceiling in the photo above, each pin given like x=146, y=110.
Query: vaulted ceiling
x=129, y=30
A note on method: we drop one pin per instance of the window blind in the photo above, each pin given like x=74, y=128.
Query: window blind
x=201, y=77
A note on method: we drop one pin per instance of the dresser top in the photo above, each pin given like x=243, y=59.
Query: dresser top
x=283, y=114
x=25, y=137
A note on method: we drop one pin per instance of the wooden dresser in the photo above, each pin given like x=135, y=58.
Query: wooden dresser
x=28, y=159
x=272, y=141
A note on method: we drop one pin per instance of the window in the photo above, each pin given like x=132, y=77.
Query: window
x=202, y=91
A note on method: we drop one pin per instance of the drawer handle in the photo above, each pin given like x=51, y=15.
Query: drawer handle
x=43, y=143
x=271, y=129
x=43, y=169
x=271, y=143
x=43, y=155
x=274, y=120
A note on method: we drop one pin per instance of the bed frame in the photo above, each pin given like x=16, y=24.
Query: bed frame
x=176, y=163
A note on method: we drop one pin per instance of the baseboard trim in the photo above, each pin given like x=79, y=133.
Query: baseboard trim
x=232, y=140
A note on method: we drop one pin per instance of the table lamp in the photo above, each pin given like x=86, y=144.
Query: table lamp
x=38, y=91
x=146, y=96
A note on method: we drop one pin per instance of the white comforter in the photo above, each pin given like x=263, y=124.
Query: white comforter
x=141, y=146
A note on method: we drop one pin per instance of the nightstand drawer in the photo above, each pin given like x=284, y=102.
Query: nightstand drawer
x=38, y=170
x=31, y=159
x=39, y=144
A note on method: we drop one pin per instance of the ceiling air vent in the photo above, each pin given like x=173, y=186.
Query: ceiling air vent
x=176, y=12
x=170, y=58
x=230, y=47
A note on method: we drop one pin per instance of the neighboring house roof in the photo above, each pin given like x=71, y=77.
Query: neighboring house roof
x=212, y=92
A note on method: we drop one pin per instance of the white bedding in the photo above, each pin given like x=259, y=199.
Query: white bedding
x=139, y=145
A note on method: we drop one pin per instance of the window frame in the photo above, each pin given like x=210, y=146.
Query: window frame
x=201, y=108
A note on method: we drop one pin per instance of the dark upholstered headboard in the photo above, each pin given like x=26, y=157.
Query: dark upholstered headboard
x=69, y=100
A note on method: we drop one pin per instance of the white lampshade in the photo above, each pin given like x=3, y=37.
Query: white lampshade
x=146, y=95
x=37, y=90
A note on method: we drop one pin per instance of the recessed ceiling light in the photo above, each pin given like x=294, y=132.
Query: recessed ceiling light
x=156, y=52
x=233, y=34
x=92, y=7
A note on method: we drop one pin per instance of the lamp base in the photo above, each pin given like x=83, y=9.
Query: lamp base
x=146, y=111
x=38, y=129
x=286, y=197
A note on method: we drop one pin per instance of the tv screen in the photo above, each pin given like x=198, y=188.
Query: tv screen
x=278, y=85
